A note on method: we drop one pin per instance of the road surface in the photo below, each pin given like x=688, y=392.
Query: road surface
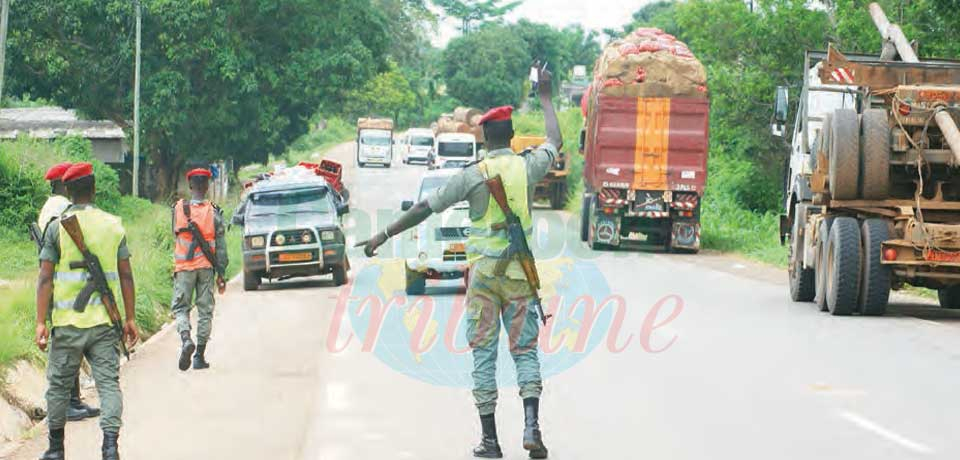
x=720, y=364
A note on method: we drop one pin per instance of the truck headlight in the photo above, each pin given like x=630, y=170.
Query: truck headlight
x=257, y=242
x=279, y=239
x=328, y=235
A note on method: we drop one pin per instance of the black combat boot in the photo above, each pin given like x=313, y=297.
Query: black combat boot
x=199, y=361
x=55, y=452
x=489, y=447
x=77, y=410
x=110, y=450
x=186, y=349
x=532, y=438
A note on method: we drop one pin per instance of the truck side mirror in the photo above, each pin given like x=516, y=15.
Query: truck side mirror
x=343, y=209
x=583, y=140
x=406, y=205
x=782, y=104
x=237, y=219
x=780, y=108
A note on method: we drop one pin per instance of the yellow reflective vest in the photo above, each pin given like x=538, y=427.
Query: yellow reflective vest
x=103, y=232
x=484, y=241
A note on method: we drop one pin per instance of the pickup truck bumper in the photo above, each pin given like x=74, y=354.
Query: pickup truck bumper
x=438, y=269
x=322, y=260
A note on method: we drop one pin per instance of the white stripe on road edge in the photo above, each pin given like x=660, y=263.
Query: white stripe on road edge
x=885, y=433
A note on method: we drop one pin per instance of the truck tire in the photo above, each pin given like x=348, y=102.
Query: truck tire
x=820, y=274
x=340, y=274
x=251, y=281
x=875, y=283
x=949, y=296
x=843, y=266
x=585, y=217
x=416, y=283
x=802, y=287
x=558, y=196
x=844, y=168
x=874, y=155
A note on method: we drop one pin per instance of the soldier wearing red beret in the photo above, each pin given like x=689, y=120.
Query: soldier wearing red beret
x=199, y=260
x=81, y=326
x=491, y=281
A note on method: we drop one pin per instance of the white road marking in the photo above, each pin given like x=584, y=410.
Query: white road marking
x=885, y=433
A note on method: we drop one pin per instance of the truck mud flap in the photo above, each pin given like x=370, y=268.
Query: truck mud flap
x=606, y=229
x=686, y=235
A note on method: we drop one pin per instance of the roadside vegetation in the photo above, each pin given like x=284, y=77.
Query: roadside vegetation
x=22, y=163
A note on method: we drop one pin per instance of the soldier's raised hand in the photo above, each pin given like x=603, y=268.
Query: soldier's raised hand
x=545, y=81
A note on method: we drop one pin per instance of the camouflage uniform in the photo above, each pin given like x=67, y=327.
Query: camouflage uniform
x=491, y=299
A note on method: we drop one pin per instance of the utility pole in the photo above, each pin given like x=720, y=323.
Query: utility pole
x=4, y=12
x=136, y=108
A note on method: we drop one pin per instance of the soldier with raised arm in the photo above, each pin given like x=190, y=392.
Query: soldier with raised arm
x=498, y=292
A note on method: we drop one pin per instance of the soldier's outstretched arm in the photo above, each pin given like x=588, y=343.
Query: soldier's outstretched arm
x=418, y=213
x=545, y=89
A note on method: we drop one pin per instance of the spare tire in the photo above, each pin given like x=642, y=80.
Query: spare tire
x=844, y=155
x=874, y=155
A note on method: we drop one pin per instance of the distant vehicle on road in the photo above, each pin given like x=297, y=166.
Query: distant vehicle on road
x=454, y=150
x=440, y=241
x=292, y=227
x=553, y=187
x=374, y=141
x=418, y=145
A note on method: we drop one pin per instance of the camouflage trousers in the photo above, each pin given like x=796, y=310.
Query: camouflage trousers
x=189, y=287
x=490, y=302
x=100, y=346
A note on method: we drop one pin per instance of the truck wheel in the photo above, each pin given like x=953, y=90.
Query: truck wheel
x=843, y=266
x=340, y=274
x=820, y=274
x=802, y=288
x=416, y=283
x=585, y=217
x=875, y=155
x=844, y=167
x=949, y=296
x=558, y=196
x=875, y=288
x=251, y=281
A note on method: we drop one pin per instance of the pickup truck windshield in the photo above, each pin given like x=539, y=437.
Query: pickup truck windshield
x=304, y=201
x=374, y=140
x=455, y=149
x=421, y=141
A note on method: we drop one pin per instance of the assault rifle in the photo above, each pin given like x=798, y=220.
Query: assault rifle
x=36, y=234
x=97, y=281
x=204, y=246
x=518, y=248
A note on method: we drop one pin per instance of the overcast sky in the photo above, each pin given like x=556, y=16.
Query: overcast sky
x=592, y=14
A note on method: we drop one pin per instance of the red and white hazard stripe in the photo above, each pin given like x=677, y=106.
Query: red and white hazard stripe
x=611, y=197
x=842, y=75
x=684, y=201
x=653, y=214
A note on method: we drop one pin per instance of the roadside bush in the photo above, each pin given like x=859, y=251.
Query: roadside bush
x=23, y=187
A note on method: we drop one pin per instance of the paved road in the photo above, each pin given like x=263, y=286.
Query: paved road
x=719, y=365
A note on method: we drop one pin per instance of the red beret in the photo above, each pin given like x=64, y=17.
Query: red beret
x=56, y=171
x=199, y=172
x=78, y=170
x=497, y=114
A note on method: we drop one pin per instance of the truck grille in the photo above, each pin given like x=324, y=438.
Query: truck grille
x=452, y=233
x=452, y=256
x=293, y=237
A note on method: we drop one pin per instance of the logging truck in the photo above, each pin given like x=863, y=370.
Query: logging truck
x=872, y=196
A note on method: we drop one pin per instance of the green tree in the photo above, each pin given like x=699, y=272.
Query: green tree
x=486, y=68
x=387, y=94
x=236, y=79
x=473, y=11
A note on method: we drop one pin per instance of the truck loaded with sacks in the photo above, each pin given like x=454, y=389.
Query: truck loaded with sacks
x=645, y=142
x=873, y=186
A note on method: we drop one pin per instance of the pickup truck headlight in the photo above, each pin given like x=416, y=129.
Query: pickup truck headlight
x=256, y=242
x=328, y=235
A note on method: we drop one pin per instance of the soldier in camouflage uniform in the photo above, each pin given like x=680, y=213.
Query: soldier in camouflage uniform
x=493, y=299
x=194, y=275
